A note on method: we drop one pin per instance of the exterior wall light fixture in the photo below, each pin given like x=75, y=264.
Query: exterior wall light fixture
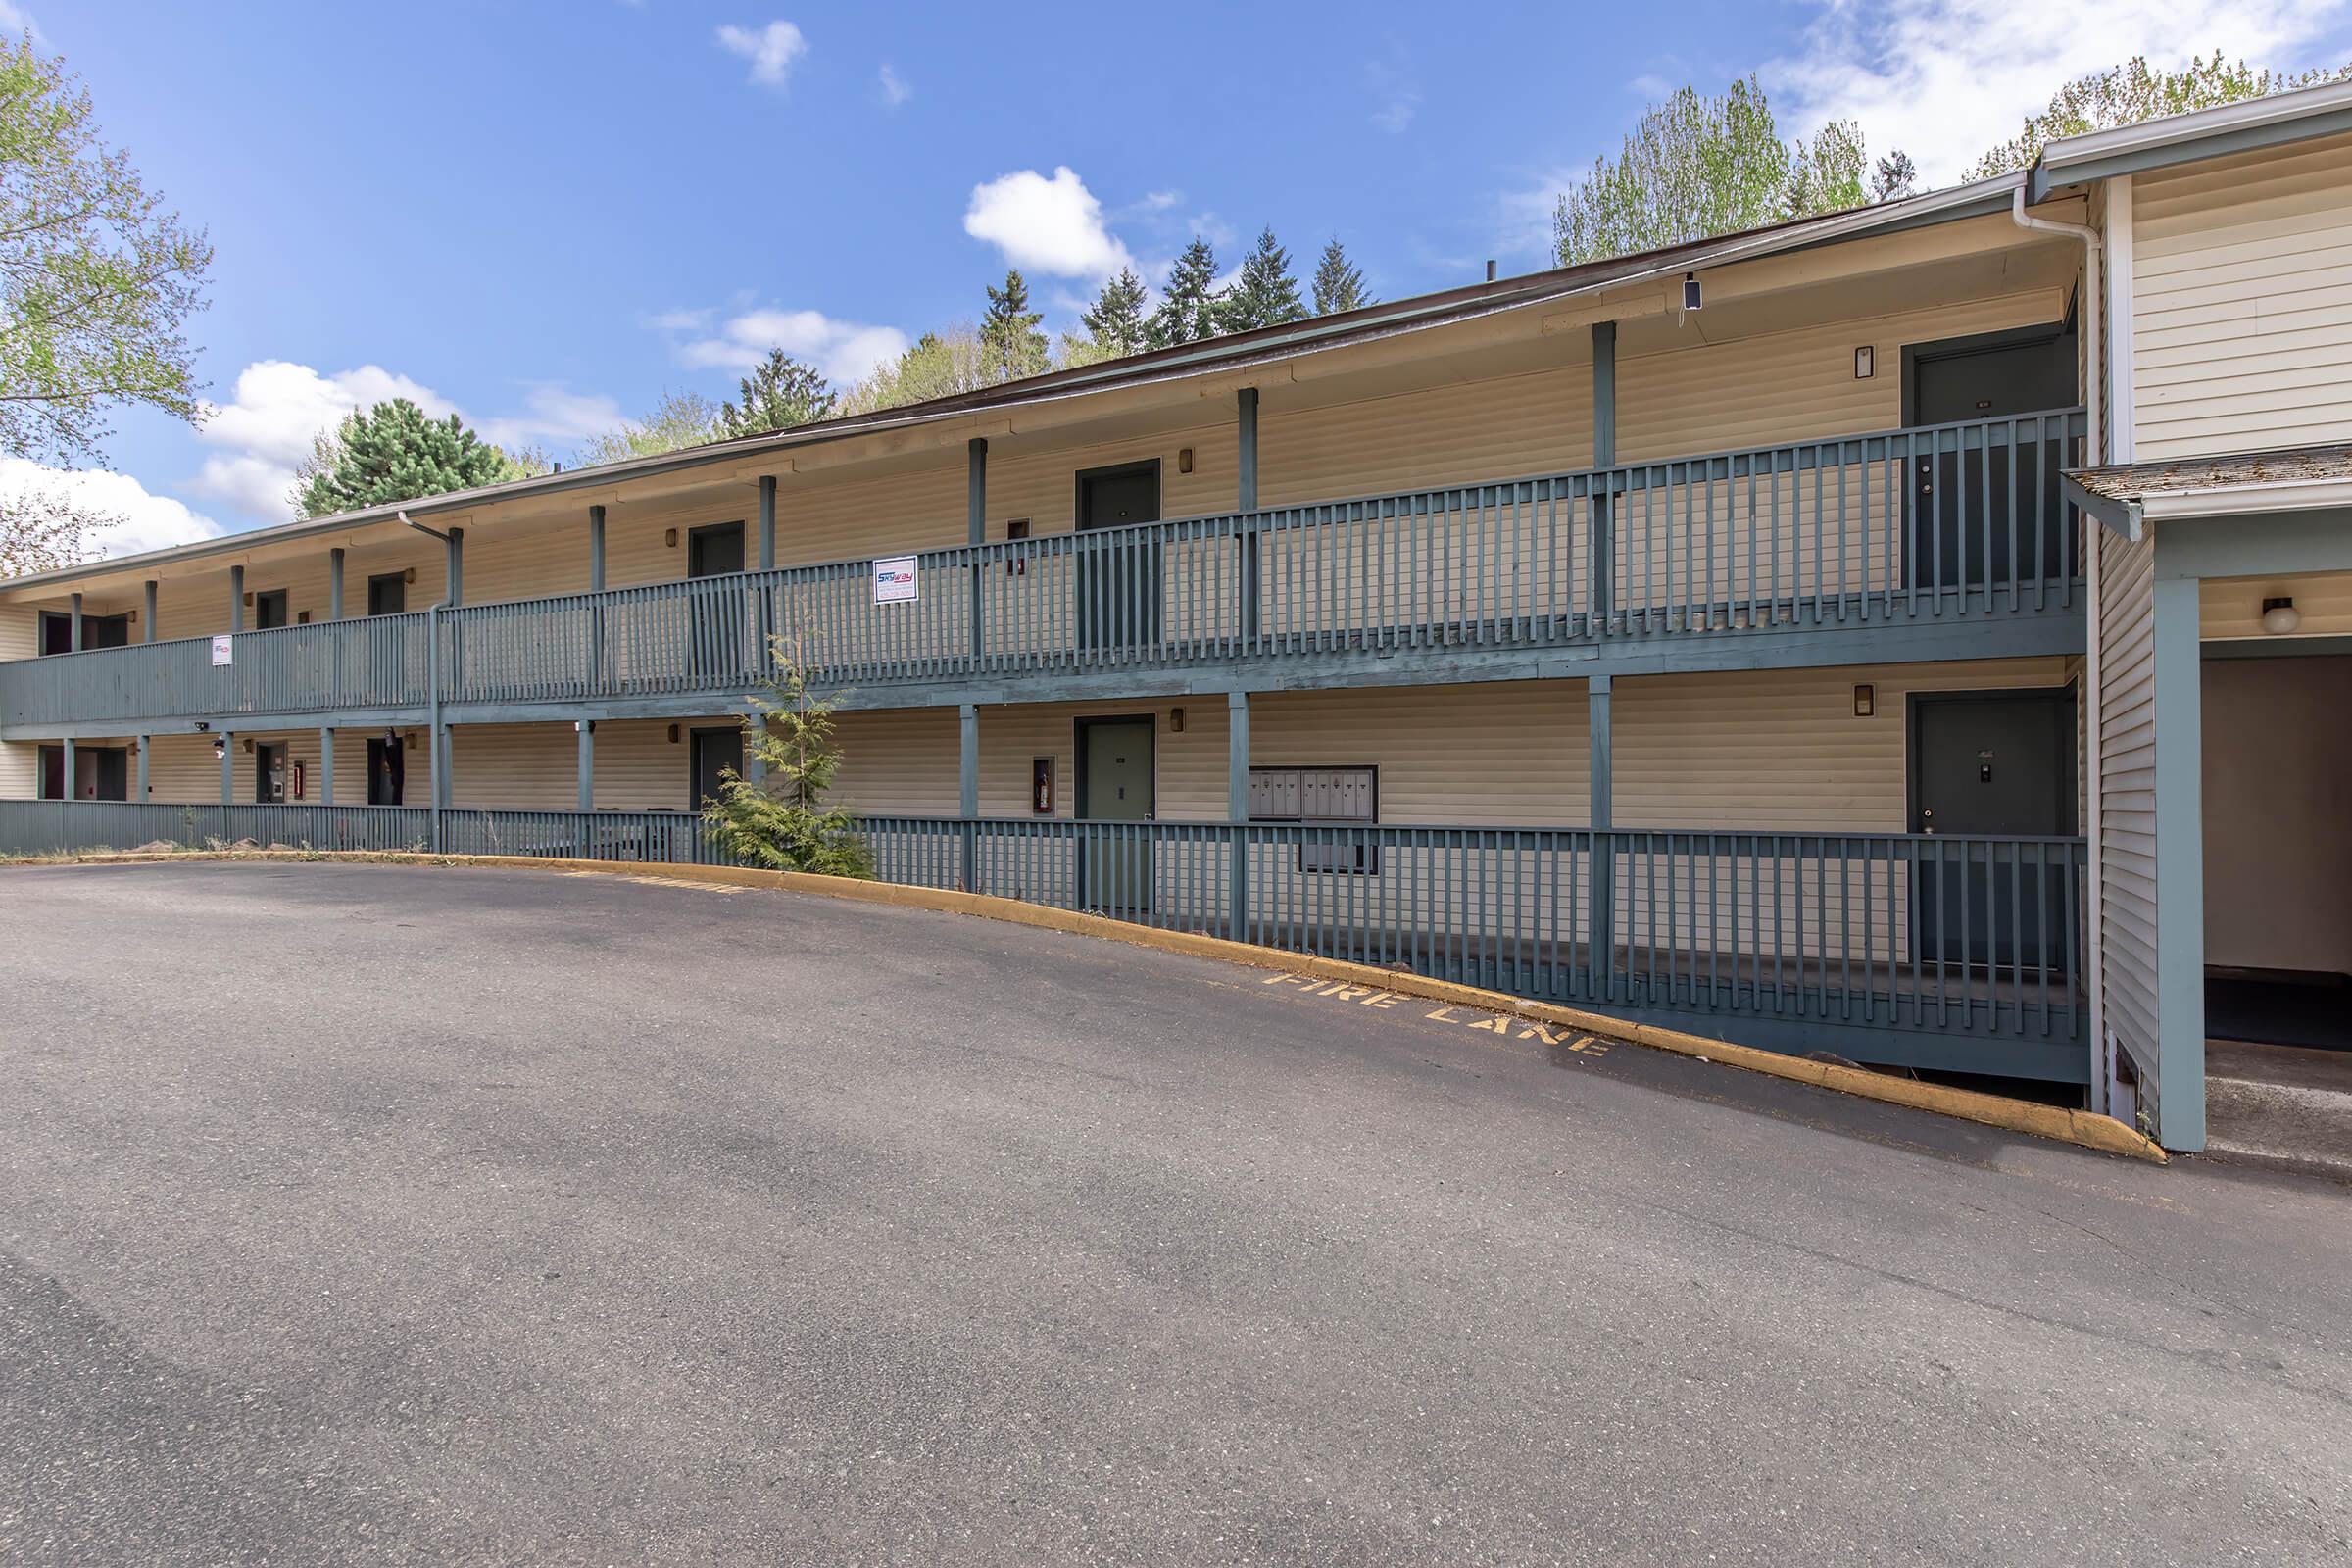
x=1690, y=297
x=1866, y=361
x=2280, y=616
x=219, y=747
x=1866, y=700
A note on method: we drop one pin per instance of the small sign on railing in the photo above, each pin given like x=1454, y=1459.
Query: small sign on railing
x=221, y=650
x=894, y=580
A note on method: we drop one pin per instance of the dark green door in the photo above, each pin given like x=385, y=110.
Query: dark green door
x=1119, y=574
x=1115, y=787
x=715, y=752
x=1998, y=764
x=1978, y=511
x=718, y=619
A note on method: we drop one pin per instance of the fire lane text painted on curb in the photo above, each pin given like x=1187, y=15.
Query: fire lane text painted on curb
x=1501, y=1025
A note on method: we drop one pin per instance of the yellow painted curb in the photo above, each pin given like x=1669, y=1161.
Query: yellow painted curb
x=2080, y=1127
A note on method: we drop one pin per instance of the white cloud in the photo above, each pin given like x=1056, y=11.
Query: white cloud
x=681, y=320
x=149, y=521
x=846, y=352
x=17, y=19
x=1159, y=201
x=279, y=408
x=895, y=89
x=771, y=49
x=1947, y=79
x=551, y=415
x=1047, y=225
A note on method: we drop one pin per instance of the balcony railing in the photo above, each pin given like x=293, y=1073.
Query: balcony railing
x=1936, y=935
x=1942, y=520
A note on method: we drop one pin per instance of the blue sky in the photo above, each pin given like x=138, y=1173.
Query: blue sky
x=545, y=214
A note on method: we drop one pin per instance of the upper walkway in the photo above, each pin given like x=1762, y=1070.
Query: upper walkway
x=1924, y=541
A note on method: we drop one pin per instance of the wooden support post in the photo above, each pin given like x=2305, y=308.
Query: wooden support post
x=65, y=785
x=585, y=769
x=1600, y=588
x=228, y=768
x=1237, y=814
x=73, y=632
x=456, y=594
x=334, y=584
x=1246, y=502
x=237, y=599
x=150, y=626
x=1603, y=819
x=768, y=522
x=968, y=718
x=596, y=613
x=326, y=758
x=143, y=743
x=975, y=507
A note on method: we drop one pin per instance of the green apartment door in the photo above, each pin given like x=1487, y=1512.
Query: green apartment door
x=1977, y=513
x=1114, y=785
x=1119, y=574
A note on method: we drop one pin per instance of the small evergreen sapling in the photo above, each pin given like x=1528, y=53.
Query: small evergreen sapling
x=785, y=824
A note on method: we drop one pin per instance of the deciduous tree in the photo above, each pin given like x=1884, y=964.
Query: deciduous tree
x=97, y=278
x=2135, y=92
x=43, y=527
x=679, y=419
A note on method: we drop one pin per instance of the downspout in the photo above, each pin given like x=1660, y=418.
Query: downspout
x=2094, y=372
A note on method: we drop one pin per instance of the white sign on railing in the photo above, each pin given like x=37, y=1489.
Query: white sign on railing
x=894, y=580
x=220, y=652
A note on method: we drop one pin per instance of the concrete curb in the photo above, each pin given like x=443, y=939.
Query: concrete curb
x=2079, y=1127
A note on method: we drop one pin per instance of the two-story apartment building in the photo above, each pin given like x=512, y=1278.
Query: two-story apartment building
x=1709, y=635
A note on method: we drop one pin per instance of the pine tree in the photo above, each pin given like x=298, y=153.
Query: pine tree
x=1265, y=294
x=395, y=452
x=1009, y=333
x=780, y=393
x=1339, y=282
x=1115, y=324
x=1188, y=312
x=786, y=825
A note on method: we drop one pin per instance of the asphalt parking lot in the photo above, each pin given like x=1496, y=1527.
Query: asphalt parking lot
x=381, y=1214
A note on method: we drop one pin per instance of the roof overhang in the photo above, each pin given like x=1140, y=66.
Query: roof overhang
x=2239, y=127
x=1223, y=356
x=2126, y=500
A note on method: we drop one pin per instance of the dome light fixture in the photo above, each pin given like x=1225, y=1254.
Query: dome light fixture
x=2280, y=616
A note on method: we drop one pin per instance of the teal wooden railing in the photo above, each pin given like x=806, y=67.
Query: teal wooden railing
x=1945, y=521
x=1947, y=935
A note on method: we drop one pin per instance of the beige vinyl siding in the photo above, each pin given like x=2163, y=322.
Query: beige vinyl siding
x=183, y=770
x=638, y=767
x=1793, y=385
x=1782, y=751
x=1503, y=427
x=2231, y=606
x=20, y=770
x=19, y=765
x=2242, y=302
x=2128, y=803
x=197, y=605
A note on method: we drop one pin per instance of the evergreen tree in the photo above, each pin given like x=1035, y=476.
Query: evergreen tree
x=1188, y=312
x=1339, y=282
x=1265, y=294
x=1009, y=333
x=395, y=452
x=786, y=825
x=1896, y=178
x=1115, y=322
x=779, y=393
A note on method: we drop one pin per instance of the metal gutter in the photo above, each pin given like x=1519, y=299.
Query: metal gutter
x=2245, y=126
x=1218, y=356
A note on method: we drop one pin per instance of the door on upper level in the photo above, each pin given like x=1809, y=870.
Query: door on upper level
x=1988, y=768
x=719, y=622
x=387, y=593
x=269, y=610
x=1119, y=574
x=1979, y=508
x=97, y=631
